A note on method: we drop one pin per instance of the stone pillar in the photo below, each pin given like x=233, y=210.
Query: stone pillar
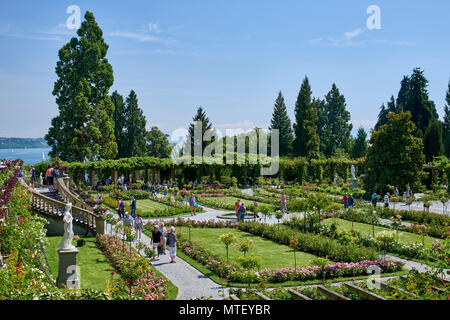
x=92, y=178
x=146, y=176
x=100, y=226
x=114, y=175
x=67, y=269
x=66, y=179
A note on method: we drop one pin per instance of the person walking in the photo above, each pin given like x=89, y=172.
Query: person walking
x=192, y=202
x=48, y=176
x=156, y=239
x=283, y=203
x=138, y=224
x=345, y=201
x=351, y=201
x=33, y=175
x=236, y=208
x=128, y=222
x=98, y=199
x=374, y=199
x=242, y=212
x=163, y=231
x=172, y=244
x=120, y=208
x=396, y=192
x=386, y=200
x=408, y=194
x=133, y=207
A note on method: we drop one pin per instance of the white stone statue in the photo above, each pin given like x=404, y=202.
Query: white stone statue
x=352, y=169
x=41, y=180
x=66, y=242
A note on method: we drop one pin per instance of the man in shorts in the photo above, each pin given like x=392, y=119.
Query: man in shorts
x=192, y=205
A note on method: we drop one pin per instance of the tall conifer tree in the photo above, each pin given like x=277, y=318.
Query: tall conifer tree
x=306, y=142
x=280, y=120
x=446, y=126
x=84, y=128
x=135, y=124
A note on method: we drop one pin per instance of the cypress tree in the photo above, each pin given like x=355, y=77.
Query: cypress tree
x=306, y=142
x=206, y=125
x=446, y=126
x=84, y=127
x=359, y=149
x=323, y=129
x=280, y=120
x=120, y=124
x=135, y=135
x=402, y=97
x=422, y=109
x=433, y=144
x=384, y=111
x=338, y=120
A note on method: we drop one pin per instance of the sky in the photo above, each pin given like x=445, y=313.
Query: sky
x=230, y=57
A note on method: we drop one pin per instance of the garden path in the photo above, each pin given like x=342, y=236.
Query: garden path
x=191, y=283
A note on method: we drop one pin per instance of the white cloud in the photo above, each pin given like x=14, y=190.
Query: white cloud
x=353, y=34
x=350, y=39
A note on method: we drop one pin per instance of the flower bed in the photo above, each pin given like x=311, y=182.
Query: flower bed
x=143, y=281
x=180, y=222
x=235, y=273
x=9, y=183
x=316, y=244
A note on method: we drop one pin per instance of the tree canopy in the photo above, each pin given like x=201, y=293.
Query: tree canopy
x=395, y=155
x=84, y=128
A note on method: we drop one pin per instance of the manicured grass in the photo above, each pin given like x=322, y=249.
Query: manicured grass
x=366, y=229
x=147, y=205
x=273, y=255
x=95, y=269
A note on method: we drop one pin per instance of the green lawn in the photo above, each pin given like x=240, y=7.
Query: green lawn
x=366, y=229
x=228, y=203
x=147, y=205
x=272, y=254
x=95, y=269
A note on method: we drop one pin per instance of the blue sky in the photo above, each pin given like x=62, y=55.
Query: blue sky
x=231, y=57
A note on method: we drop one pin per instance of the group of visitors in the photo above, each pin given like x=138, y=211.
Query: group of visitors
x=348, y=201
x=162, y=238
x=241, y=211
x=407, y=196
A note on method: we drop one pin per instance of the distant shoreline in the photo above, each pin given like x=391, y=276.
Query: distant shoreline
x=21, y=148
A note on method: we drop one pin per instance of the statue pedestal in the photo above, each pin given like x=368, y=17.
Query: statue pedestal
x=67, y=269
x=100, y=226
x=353, y=183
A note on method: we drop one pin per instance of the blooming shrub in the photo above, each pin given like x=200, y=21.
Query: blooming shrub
x=144, y=282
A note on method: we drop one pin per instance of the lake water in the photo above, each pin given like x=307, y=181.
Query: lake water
x=29, y=156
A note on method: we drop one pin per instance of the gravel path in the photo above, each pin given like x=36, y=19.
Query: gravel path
x=191, y=283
